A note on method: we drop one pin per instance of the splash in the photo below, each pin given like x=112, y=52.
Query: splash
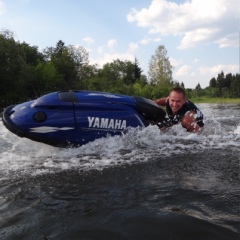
x=237, y=130
x=21, y=156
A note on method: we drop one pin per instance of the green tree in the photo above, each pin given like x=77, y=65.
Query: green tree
x=115, y=76
x=213, y=82
x=220, y=83
x=89, y=74
x=131, y=72
x=160, y=69
x=235, y=86
x=16, y=67
x=108, y=75
x=47, y=78
x=31, y=55
x=142, y=80
x=10, y=61
x=228, y=79
x=137, y=70
x=198, y=87
x=80, y=58
x=63, y=62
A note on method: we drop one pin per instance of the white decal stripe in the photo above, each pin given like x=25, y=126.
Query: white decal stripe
x=46, y=129
x=140, y=120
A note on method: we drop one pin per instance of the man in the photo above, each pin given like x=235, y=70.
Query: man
x=179, y=109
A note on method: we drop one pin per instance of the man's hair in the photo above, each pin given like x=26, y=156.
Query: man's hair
x=178, y=90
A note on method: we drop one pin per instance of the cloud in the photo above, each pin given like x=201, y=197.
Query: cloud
x=194, y=21
x=229, y=40
x=175, y=62
x=183, y=71
x=202, y=75
x=191, y=38
x=145, y=40
x=100, y=49
x=157, y=39
x=88, y=40
x=106, y=53
x=2, y=8
x=111, y=43
x=215, y=70
x=107, y=58
x=109, y=46
x=132, y=47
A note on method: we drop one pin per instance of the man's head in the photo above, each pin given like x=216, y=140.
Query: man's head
x=177, y=98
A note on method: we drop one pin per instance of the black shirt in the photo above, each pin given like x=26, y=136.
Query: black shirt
x=187, y=106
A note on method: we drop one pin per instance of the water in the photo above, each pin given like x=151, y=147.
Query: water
x=142, y=185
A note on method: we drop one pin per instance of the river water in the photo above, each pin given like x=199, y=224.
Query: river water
x=142, y=185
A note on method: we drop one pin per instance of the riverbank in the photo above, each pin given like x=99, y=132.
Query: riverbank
x=195, y=100
x=216, y=100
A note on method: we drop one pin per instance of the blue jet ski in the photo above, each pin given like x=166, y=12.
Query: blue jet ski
x=74, y=118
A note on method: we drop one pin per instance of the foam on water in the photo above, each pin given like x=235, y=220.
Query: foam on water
x=140, y=180
x=20, y=155
x=237, y=131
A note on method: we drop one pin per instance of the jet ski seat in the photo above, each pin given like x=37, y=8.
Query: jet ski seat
x=149, y=109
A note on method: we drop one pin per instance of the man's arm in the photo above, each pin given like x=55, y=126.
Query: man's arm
x=161, y=101
x=192, y=122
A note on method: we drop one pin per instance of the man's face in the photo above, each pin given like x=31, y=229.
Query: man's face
x=176, y=101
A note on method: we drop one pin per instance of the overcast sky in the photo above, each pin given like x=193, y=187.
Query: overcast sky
x=200, y=36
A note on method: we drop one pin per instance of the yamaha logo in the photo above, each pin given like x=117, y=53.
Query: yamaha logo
x=108, y=123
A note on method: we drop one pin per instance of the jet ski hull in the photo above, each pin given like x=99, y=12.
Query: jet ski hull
x=74, y=118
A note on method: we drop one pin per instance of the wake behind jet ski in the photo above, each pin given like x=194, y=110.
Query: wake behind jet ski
x=74, y=118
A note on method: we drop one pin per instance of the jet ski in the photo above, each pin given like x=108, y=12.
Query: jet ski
x=75, y=118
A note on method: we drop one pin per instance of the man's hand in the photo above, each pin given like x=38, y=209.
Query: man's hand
x=190, y=123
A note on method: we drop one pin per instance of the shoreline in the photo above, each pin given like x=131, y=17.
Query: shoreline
x=215, y=100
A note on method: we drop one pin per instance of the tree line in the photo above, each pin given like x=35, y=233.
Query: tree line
x=26, y=73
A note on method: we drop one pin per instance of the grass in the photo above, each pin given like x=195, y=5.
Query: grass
x=215, y=100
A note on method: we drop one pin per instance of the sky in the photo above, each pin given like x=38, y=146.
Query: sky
x=201, y=36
